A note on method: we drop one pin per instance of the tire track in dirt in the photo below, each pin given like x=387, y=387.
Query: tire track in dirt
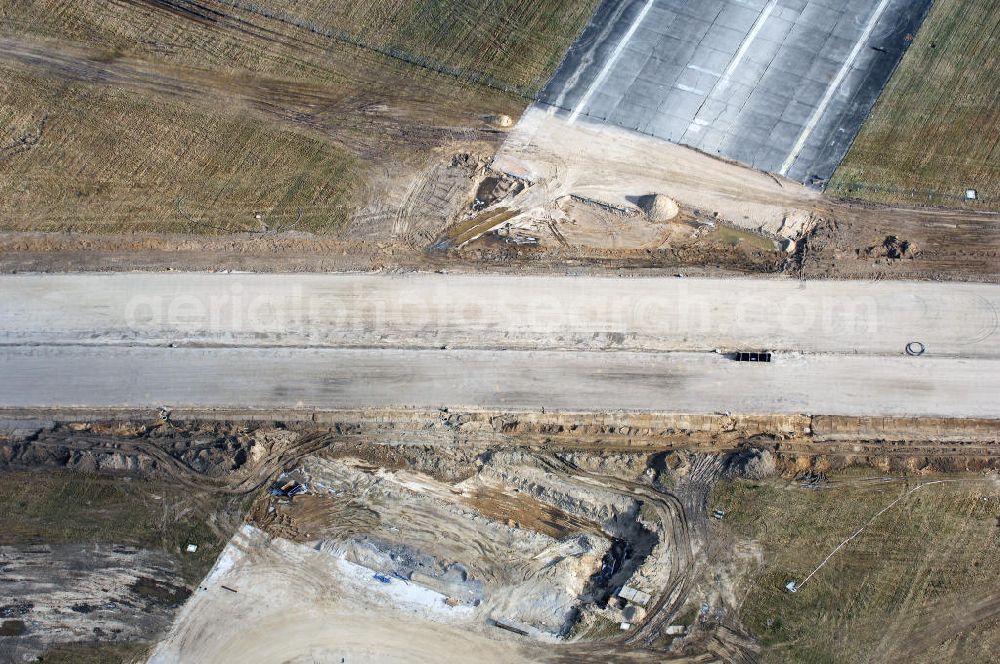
x=684, y=517
x=946, y=620
x=250, y=478
x=676, y=528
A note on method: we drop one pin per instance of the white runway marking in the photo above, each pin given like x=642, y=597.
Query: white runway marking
x=745, y=46
x=705, y=71
x=723, y=81
x=688, y=88
x=610, y=63
x=832, y=88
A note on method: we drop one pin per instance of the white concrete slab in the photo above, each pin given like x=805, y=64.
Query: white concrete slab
x=256, y=378
x=484, y=311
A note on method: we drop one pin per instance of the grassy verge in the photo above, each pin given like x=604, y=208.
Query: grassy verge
x=935, y=131
x=119, y=160
x=918, y=584
x=514, y=45
x=232, y=116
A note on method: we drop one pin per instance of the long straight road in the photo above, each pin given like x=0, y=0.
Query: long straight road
x=331, y=379
x=487, y=311
x=240, y=341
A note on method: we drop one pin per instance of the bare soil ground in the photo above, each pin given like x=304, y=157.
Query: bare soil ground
x=894, y=243
x=933, y=133
x=225, y=452
x=846, y=242
x=84, y=594
x=840, y=240
x=617, y=168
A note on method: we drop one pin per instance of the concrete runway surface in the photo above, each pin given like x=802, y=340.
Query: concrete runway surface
x=780, y=85
x=255, y=378
x=575, y=343
x=491, y=311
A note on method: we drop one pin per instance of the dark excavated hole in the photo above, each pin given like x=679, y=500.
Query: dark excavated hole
x=160, y=592
x=630, y=546
x=601, y=589
x=493, y=188
x=13, y=628
x=658, y=463
x=486, y=193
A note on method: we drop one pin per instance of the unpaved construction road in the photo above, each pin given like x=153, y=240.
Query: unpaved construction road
x=354, y=341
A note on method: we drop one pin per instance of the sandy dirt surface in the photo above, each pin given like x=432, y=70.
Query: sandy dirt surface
x=294, y=603
x=616, y=166
x=422, y=556
x=467, y=311
x=847, y=241
x=853, y=241
x=235, y=452
x=145, y=378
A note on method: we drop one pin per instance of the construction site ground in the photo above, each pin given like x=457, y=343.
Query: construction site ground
x=845, y=241
x=506, y=445
x=482, y=519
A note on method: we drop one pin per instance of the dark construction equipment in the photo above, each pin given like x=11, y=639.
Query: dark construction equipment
x=752, y=357
x=289, y=489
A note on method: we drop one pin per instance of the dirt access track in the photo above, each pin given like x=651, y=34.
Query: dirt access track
x=350, y=341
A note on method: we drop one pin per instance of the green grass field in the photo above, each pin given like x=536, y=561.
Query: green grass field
x=920, y=584
x=233, y=116
x=935, y=131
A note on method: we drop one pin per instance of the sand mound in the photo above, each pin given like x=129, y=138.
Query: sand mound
x=658, y=207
